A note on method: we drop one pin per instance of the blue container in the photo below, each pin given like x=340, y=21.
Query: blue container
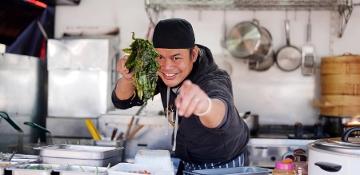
x=231, y=171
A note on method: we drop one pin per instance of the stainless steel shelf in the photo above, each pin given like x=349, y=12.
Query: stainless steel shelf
x=245, y=4
x=344, y=7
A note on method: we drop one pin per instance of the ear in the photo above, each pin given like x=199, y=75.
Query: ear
x=195, y=53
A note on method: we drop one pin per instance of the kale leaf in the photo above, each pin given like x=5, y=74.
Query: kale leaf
x=142, y=63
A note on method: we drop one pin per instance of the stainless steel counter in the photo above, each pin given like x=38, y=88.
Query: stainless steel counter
x=264, y=152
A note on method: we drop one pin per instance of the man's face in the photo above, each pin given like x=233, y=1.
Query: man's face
x=175, y=64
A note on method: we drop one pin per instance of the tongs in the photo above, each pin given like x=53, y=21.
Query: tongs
x=42, y=129
x=34, y=125
x=5, y=116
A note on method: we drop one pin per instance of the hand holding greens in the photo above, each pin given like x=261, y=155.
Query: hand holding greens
x=142, y=63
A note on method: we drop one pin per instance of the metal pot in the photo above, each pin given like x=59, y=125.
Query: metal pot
x=335, y=156
x=244, y=39
x=252, y=121
x=263, y=58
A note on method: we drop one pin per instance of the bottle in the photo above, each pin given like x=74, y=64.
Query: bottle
x=301, y=168
x=284, y=167
x=300, y=165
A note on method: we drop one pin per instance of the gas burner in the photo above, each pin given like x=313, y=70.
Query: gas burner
x=296, y=131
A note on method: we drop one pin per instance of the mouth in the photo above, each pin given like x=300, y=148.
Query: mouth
x=169, y=76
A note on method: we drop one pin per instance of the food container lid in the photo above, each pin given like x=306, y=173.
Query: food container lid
x=284, y=165
x=344, y=144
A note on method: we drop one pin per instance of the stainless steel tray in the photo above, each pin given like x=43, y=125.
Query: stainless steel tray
x=85, y=162
x=81, y=170
x=231, y=171
x=79, y=151
x=25, y=158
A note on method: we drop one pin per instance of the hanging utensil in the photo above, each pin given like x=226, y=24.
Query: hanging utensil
x=288, y=57
x=42, y=129
x=34, y=125
x=243, y=39
x=224, y=30
x=308, y=52
x=5, y=116
x=263, y=58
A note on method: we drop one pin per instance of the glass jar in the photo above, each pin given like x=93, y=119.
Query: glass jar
x=284, y=167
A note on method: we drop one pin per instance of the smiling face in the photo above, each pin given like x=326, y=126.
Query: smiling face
x=175, y=64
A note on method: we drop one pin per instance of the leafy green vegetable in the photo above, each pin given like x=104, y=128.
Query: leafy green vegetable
x=38, y=167
x=142, y=63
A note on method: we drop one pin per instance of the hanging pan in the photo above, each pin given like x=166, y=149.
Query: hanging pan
x=243, y=39
x=288, y=57
x=263, y=58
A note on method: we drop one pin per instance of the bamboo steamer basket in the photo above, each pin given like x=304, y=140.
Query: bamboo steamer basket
x=345, y=64
x=340, y=111
x=340, y=105
x=340, y=86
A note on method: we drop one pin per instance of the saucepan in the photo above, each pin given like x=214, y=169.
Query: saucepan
x=288, y=57
x=252, y=121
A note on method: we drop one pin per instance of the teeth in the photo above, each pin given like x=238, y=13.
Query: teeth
x=169, y=75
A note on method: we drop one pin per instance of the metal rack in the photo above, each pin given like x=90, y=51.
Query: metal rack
x=344, y=7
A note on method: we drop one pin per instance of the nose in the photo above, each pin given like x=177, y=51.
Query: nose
x=166, y=64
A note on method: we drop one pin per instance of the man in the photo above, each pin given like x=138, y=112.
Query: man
x=197, y=97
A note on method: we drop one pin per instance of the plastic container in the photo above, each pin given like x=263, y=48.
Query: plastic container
x=157, y=159
x=284, y=167
x=130, y=169
x=157, y=162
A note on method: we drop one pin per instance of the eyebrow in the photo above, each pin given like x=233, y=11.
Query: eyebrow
x=176, y=54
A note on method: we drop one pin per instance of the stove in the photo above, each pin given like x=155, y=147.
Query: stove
x=275, y=142
x=270, y=143
x=263, y=152
x=296, y=131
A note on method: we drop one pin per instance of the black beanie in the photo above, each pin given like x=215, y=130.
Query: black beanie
x=174, y=33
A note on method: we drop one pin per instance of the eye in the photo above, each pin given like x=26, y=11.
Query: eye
x=176, y=58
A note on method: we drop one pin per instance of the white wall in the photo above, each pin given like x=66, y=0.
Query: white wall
x=130, y=16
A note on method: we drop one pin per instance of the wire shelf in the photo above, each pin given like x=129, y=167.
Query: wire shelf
x=343, y=7
x=245, y=4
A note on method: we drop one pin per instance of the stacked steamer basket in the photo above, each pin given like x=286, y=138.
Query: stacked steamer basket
x=340, y=86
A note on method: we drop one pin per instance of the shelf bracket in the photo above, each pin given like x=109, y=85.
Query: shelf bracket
x=345, y=10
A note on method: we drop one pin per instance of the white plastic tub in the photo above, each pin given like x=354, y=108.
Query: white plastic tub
x=130, y=169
